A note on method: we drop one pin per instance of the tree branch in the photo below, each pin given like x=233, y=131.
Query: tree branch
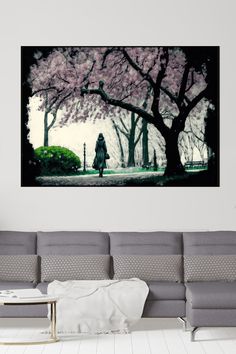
x=170, y=95
x=164, y=59
x=136, y=121
x=191, y=83
x=195, y=101
x=157, y=121
x=138, y=69
x=58, y=106
x=197, y=137
x=117, y=103
x=138, y=137
x=123, y=123
x=134, y=65
x=179, y=122
x=43, y=89
x=183, y=84
x=122, y=131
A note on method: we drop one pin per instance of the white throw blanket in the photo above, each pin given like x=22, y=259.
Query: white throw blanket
x=98, y=306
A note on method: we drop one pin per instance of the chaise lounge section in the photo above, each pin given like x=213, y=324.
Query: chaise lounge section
x=210, y=276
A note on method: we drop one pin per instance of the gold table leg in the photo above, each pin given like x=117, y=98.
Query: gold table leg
x=53, y=336
x=53, y=322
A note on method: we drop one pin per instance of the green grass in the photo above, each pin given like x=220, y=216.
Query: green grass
x=127, y=170
x=121, y=171
x=196, y=168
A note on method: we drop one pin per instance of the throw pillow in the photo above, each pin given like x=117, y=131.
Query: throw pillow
x=148, y=267
x=82, y=267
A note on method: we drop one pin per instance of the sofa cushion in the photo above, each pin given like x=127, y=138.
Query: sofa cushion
x=146, y=243
x=215, y=295
x=159, y=268
x=210, y=268
x=16, y=242
x=161, y=290
x=209, y=242
x=72, y=243
x=19, y=268
x=43, y=287
x=158, y=290
x=10, y=285
x=62, y=268
x=164, y=308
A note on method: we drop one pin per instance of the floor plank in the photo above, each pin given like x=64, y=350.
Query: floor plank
x=191, y=347
x=106, y=344
x=123, y=344
x=70, y=344
x=157, y=342
x=88, y=344
x=209, y=345
x=36, y=335
x=140, y=344
x=173, y=342
x=52, y=348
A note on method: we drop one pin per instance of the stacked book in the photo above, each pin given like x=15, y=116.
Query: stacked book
x=21, y=293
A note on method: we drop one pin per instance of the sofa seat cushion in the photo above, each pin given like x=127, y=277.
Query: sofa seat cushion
x=43, y=287
x=8, y=285
x=211, y=295
x=160, y=290
x=157, y=290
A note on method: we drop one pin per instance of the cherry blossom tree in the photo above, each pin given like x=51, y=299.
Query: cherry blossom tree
x=122, y=76
x=101, y=82
x=54, y=80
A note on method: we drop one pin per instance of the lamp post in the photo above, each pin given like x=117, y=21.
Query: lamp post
x=84, y=169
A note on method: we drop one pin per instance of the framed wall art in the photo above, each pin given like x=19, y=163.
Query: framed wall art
x=120, y=116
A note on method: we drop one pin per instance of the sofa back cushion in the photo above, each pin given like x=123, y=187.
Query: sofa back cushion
x=209, y=243
x=16, y=242
x=72, y=243
x=19, y=268
x=146, y=243
x=210, y=268
x=148, y=267
x=209, y=256
x=84, y=267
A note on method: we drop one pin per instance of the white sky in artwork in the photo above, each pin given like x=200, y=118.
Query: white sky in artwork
x=74, y=135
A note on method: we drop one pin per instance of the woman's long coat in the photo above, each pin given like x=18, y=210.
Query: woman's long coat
x=100, y=157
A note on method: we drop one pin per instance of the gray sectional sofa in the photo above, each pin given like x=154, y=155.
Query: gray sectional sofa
x=188, y=274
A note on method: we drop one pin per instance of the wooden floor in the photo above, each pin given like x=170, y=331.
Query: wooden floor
x=149, y=336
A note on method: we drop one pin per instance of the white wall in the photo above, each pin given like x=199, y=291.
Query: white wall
x=109, y=22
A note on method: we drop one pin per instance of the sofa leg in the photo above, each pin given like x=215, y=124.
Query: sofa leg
x=193, y=331
x=184, y=323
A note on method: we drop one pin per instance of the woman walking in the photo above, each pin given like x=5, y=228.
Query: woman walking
x=101, y=156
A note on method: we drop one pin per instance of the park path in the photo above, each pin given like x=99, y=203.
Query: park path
x=131, y=179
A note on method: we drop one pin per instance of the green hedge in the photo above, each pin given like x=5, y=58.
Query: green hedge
x=57, y=160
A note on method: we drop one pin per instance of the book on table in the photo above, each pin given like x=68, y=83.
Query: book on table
x=21, y=293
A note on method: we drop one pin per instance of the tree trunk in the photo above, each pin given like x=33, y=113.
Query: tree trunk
x=145, y=143
x=174, y=165
x=131, y=159
x=45, y=139
x=122, y=155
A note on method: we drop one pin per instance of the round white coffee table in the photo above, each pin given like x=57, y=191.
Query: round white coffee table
x=47, y=300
